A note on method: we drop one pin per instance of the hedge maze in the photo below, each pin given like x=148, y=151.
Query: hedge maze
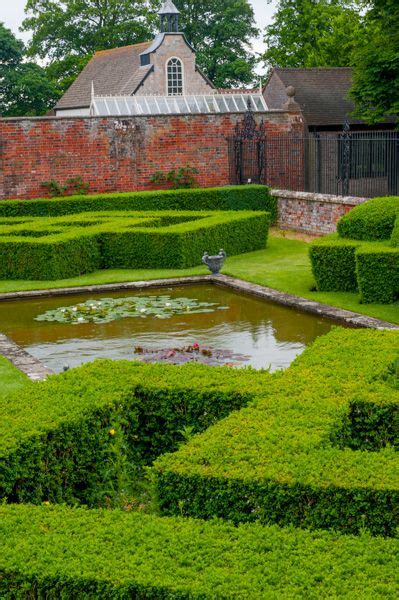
x=364, y=255
x=304, y=462
x=59, y=247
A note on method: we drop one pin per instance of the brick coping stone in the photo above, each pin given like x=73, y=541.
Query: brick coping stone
x=36, y=370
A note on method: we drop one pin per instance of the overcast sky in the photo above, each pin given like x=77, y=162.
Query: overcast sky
x=12, y=14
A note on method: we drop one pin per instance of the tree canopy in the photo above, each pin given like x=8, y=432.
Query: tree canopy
x=24, y=86
x=376, y=63
x=313, y=33
x=221, y=32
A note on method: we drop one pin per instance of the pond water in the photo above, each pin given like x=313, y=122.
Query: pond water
x=267, y=335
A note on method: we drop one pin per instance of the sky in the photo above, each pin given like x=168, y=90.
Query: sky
x=12, y=14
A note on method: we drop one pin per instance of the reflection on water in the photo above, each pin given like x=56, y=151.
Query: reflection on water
x=270, y=334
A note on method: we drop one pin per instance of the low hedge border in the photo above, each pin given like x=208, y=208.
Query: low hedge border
x=67, y=246
x=364, y=256
x=279, y=460
x=59, y=552
x=83, y=435
x=239, y=197
x=377, y=273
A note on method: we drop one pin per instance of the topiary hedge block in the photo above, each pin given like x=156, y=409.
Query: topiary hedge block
x=377, y=270
x=239, y=197
x=57, y=552
x=60, y=247
x=372, y=220
x=348, y=262
x=334, y=264
x=281, y=459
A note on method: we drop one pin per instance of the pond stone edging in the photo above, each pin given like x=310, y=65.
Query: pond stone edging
x=37, y=371
x=22, y=360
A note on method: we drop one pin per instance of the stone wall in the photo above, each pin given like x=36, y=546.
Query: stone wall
x=310, y=212
x=121, y=154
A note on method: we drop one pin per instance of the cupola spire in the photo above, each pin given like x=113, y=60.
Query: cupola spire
x=169, y=17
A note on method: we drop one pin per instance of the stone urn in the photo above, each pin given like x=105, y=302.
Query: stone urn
x=214, y=263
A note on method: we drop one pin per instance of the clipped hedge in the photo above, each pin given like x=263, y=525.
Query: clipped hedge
x=377, y=271
x=60, y=552
x=372, y=220
x=287, y=458
x=61, y=247
x=239, y=197
x=364, y=256
x=73, y=437
x=334, y=264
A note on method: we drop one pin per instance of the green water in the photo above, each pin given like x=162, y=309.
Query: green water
x=268, y=334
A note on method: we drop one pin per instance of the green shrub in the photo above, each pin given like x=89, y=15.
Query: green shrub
x=240, y=197
x=67, y=246
x=282, y=460
x=60, y=552
x=333, y=264
x=377, y=270
x=349, y=263
x=77, y=436
x=373, y=220
x=395, y=234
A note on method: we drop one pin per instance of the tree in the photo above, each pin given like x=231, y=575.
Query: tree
x=376, y=63
x=24, y=87
x=221, y=32
x=67, y=32
x=313, y=33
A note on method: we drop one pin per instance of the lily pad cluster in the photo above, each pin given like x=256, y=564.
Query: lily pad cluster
x=193, y=353
x=106, y=310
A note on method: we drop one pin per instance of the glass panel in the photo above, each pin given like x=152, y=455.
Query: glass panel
x=175, y=77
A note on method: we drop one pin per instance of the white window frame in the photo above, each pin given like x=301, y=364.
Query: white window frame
x=167, y=76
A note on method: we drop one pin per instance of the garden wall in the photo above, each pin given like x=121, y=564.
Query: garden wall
x=121, y=154
x=311, y=212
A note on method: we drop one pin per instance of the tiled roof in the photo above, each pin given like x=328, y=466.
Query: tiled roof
x=114, y=72
x=322, y=93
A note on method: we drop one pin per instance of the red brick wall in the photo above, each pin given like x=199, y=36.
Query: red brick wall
x=116, y=154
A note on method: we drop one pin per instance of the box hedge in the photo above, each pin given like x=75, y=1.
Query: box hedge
x=364, y=256
x=287, y=458
x=377, y=271
x=61, y=247
x=372, y=220
x=73, y=437
x=240, y=197
x=55, y=552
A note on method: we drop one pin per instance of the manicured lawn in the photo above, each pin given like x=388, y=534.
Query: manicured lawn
x=283, y=265
x=10, y=378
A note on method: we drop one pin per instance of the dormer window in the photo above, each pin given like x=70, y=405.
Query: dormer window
x=175, y=77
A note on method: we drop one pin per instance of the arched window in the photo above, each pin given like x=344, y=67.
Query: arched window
x=175, y=77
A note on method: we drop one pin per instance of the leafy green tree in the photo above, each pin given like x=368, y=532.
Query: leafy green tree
x=376, y=63
x=67, y=32
x=25, y=89
x=221, y=32
x=313, y=33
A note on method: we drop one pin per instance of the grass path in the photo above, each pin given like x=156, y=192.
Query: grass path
x=11, y=378
x=284, y=265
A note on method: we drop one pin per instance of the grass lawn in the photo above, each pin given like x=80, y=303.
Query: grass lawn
x=10, y=377
x=284, y=265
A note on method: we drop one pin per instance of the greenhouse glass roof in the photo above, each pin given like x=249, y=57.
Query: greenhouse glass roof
x=115, y=106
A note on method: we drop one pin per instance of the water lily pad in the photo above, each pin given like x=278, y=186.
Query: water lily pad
x=106, y=310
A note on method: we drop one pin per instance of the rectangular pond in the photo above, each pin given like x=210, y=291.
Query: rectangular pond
x=200, y=322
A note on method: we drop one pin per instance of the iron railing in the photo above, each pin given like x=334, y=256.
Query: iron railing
x=364, y=164
x=356, y=163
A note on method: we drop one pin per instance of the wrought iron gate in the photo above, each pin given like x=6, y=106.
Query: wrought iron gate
x=247, y=151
